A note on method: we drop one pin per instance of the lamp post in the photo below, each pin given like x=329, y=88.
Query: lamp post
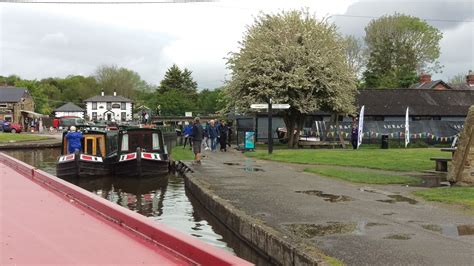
x=270, y=131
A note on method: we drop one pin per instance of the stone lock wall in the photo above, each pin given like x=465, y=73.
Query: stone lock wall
x=462, y=170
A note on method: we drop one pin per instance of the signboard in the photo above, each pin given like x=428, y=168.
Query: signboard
x=250, y=140
x=188, y=114
x=360, y=133
x=407, y=128
x=274, y=106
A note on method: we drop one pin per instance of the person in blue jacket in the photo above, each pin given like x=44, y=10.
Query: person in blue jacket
x=213, y=134
x=188, y=131
x=74, y=140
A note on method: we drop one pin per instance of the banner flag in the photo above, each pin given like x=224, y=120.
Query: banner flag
x=361, y=126
x=407, y=129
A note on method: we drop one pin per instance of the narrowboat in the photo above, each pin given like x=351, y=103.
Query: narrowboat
x=142, y=152
x=97, y=157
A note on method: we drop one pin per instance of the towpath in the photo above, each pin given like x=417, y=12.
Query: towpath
x=355, y=223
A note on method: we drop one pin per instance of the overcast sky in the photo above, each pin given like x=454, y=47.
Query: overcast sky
x=56, y=40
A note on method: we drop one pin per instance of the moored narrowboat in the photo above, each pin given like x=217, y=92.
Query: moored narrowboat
x=96, y=158
x=142, y=152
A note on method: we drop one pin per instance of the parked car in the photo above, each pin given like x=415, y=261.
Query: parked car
x=12, y=127
x=68, y=121
x=1, y=125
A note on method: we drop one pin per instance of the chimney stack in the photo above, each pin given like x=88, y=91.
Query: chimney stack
x=470, y=79
x=425, y=78
x=115, y=93
x=102, y=93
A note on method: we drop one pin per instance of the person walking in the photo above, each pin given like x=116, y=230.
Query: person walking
x=205, y=141
x=188, y=130
x=213, y=133
x=74, y=140
x=223, y=134
x=197, y=136
x=354, y=135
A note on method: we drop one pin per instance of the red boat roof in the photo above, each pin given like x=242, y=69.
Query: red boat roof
x=46, y=220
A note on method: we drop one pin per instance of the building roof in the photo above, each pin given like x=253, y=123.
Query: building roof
x=422, y=102
x=430, y=85
x=108, y=98
x=462, y=86
x=12, y=94
x=69, y=107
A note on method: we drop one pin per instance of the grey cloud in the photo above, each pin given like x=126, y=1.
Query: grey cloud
x=439, y=10
x=37, y=45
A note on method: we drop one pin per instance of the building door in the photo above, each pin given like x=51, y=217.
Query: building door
x=109, y=117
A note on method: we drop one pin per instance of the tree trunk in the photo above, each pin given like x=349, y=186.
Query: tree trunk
x=289, y=120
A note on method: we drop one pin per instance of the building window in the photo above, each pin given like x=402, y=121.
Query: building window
x=116, y=105
x=123, y=116
x=94, y=116
x=94, y=106
x=124, y=105
x=3, y=105
x=109, y=105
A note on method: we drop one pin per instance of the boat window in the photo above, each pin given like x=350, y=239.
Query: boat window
x=89, y=149
x=124, y=142
x=156, y=141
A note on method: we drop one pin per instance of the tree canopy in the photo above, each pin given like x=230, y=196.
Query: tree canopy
x=292, y=58
x=124, y=81
x=399, y=48
x=175, y=78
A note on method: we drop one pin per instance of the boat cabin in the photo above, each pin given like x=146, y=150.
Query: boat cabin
x=147, y=139
x=95, y=142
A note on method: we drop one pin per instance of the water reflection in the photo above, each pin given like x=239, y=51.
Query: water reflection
x=162, y=198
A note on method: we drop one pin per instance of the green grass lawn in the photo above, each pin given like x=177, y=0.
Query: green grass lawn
x=391, y=159
x=453, y=195
x=9, y=137
x=363, y=177
x=178, y=153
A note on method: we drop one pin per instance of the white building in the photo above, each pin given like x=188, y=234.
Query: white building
x=110, y=108
x=69, y=109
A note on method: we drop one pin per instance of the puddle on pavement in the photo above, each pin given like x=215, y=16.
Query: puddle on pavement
x=231, y=163
x=451, y=230
x=399, y=237
x=375, y=224
x=253, y=169
x=399, y=198
x=432, y=227
x=388, y=213
x=313, y=230
x=327, y=197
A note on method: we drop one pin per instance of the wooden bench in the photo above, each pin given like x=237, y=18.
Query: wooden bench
x=441, y=164
x=451, y=150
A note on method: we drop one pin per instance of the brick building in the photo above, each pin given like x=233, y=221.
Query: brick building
x=16, y=104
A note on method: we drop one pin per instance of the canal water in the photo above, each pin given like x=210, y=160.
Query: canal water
x=163, y=199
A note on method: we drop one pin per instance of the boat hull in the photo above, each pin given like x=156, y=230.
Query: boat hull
x=76, y=167
x=141, y=167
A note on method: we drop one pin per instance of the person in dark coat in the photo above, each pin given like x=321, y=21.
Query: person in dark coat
x=223, y=135
x=354, y=135
x=197, y=136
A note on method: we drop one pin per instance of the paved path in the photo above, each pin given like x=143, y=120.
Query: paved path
x=371, y=227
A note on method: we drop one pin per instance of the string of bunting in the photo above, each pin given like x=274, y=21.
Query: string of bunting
x=397, y=134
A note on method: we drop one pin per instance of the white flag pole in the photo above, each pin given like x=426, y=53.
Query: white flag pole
x=407, y=128
x=361, y=126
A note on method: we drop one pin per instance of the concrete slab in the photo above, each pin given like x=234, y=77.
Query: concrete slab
x=375, y=225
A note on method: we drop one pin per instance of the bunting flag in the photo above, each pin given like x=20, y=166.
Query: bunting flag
x=407, y=129
x=361, y=126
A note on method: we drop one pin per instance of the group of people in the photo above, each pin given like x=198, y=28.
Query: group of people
x=209, y=136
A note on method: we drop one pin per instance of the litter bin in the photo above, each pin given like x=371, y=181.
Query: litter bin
x=384, y=142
